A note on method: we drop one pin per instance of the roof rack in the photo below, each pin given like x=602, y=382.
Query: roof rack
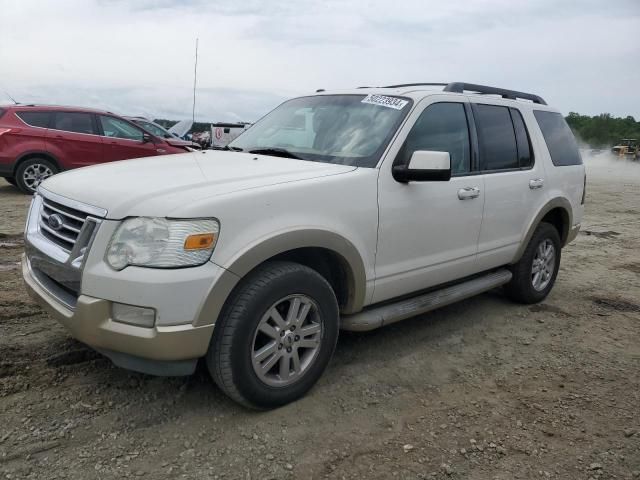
x=417, y=85
x=460, y=87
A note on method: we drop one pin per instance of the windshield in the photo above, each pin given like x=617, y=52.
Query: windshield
x=343, y=129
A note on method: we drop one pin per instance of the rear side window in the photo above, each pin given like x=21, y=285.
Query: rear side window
x=76, y=122
x=561, y=143
x=498, y=148
x=525, y=153
x=35, y=119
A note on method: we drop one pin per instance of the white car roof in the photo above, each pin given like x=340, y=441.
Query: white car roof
x=419, y=91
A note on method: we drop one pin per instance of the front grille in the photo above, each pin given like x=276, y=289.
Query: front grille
x=65, y=229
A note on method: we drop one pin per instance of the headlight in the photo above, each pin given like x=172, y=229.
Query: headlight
x=162, y=242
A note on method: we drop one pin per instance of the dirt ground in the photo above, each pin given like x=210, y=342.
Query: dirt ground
x=484, y=389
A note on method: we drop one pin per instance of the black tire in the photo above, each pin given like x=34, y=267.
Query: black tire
x=22, y=183
x=229, y=358
x=521, y=287
x=11, y=180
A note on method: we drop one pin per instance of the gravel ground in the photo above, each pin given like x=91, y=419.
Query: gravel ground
x=484, y=389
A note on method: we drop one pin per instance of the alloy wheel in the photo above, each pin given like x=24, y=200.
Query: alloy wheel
x=543, y=265
x=35, y=174
x=287, y=340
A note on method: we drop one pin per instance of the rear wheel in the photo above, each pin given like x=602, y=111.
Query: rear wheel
x=275, y=335
x=535, y=273
x=31, y=173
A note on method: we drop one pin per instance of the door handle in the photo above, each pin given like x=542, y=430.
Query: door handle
x=536, y=183
x=468, y=193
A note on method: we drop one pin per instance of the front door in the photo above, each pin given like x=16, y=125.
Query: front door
x=123, y=140
x=428, y=231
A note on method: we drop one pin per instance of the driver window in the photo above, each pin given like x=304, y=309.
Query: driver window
x=116, y=128
x=441, y=127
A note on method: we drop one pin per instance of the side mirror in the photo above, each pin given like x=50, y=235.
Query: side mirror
x=424, y=166
x=146, y=138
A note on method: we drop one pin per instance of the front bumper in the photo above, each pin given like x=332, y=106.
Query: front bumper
x=161, y=350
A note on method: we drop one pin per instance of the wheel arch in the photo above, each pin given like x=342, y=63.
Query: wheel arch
x=557, y=212
x=329, y=253
x=35, y=154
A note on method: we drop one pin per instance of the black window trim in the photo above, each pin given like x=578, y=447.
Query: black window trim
x=470, y=131
x=526, y=131
x=503, y=170
x=52, y=122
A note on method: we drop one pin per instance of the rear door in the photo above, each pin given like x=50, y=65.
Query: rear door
x=514, y=182
x=124, y=140
x=28, y=134
x=73, y=139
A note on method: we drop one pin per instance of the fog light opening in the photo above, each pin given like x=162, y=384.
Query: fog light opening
x=132, y=315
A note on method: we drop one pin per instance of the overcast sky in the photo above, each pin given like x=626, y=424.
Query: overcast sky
x=136, y=57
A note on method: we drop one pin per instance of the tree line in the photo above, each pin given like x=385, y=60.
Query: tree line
x=604, y=130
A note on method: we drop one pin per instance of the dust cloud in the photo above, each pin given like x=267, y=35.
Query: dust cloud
x=608, y=166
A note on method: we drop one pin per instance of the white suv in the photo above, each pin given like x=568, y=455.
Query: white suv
x=340, y=210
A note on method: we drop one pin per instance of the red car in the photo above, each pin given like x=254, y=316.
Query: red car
x=39, y=141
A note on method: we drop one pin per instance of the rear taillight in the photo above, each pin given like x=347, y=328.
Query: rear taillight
x=584, y=189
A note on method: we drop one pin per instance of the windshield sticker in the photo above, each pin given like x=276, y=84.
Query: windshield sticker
x=384, y=101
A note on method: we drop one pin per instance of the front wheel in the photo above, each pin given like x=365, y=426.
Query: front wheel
x=275, y=336
x=32, y=172
x=535, y=273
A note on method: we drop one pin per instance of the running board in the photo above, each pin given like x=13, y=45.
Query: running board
x=377, y=317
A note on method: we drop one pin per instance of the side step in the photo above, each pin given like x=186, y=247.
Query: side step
x=376, y=317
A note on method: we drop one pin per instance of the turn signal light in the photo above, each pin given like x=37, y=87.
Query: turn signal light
x=200, y=241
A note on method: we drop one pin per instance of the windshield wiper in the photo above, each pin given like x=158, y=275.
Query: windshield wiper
x=232, y=149
x=276, y=152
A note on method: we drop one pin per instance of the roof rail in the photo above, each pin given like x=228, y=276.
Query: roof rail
x=460, y=87
x=416, y=85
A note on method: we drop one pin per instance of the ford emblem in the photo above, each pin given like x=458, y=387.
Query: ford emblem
x=55, y=221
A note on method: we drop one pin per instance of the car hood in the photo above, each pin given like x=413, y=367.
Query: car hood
x=156, y=186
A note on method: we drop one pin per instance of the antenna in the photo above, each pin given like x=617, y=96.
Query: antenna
x=7, y=94
x=195, y=76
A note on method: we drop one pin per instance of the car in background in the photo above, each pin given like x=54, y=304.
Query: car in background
x=37, y=141
x=159, y=131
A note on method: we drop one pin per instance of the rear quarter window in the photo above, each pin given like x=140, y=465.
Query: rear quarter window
x=35, y=119
x=561, y=143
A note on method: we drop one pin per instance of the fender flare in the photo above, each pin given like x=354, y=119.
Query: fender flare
x=261, y=251
x=557, y=202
